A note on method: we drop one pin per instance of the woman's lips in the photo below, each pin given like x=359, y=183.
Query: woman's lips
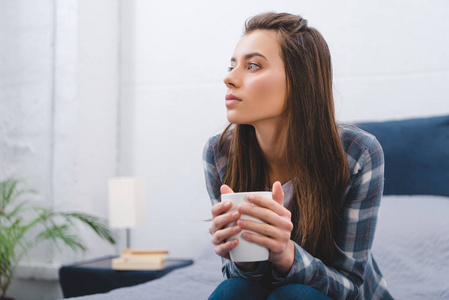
x=231, y=100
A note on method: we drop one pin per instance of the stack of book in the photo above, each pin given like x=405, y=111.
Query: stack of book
x=140, y=260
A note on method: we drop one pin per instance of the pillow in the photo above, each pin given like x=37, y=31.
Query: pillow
x=416, y=155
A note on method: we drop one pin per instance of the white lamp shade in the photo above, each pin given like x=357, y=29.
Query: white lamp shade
x=126, y=202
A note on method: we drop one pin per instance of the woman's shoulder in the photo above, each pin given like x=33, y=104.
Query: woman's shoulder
x=213, y=151
x=218, y=142
x=353, y=136
x=211, y=147
x=358, y=143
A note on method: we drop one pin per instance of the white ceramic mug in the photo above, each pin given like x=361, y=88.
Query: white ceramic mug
x=246, y=251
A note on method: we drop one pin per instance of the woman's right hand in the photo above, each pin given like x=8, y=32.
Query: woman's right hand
x=222, y=216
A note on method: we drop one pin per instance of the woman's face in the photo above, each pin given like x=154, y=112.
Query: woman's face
x=256, y=82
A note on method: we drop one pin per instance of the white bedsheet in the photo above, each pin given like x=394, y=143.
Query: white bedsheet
x=412, y=246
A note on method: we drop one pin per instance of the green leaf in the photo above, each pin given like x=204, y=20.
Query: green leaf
x=20, y=208
x=96, y=224
x=63, y=234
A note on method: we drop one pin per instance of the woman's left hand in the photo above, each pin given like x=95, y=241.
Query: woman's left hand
x=275, y=234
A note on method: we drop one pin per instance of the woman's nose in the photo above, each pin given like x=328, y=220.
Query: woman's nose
x=231, y=79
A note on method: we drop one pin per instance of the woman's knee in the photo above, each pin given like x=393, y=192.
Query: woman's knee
x=239, y=288
x=297, y=292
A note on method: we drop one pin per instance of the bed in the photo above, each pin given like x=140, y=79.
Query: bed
x=412, y=236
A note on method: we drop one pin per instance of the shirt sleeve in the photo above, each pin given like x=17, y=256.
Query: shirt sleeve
x=213, y=181
x=213, y=184
x=354, y=236
x=261, y=274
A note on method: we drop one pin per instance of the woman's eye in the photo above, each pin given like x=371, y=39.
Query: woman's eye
x=230, y=69
x=253, y=67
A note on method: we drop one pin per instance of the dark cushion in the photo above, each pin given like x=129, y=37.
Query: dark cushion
x=416, y=155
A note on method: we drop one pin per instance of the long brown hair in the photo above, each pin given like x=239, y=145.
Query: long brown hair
x=313, y=148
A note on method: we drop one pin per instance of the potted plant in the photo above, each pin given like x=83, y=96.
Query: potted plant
x=15, y=240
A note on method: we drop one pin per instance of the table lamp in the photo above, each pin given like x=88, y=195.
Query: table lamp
x=126, y=204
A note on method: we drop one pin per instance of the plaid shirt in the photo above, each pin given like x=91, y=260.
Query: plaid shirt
x=354, y=274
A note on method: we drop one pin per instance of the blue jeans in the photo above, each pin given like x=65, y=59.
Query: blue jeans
x=239, y=288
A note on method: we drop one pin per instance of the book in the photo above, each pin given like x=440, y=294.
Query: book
x=121, y=264
x=143, y=256
x=140, y=260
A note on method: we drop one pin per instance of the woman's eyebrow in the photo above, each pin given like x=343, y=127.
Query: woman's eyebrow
x=250, y=55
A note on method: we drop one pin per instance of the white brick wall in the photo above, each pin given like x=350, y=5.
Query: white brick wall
x=58, y=118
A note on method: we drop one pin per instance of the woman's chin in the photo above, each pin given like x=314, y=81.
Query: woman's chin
x=233, y=119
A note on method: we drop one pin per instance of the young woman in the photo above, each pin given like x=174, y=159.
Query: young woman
x=327, y=180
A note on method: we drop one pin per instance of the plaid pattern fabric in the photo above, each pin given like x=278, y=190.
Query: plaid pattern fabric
x=354, y=274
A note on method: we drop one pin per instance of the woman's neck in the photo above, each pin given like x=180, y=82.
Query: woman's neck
x=273, y=143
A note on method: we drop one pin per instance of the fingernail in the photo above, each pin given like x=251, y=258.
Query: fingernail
x=235, y=242
x=236, y=228
x=227, y=204
x=241, y=223
x=245, y=235
x=235, y=214
x=251, y=196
